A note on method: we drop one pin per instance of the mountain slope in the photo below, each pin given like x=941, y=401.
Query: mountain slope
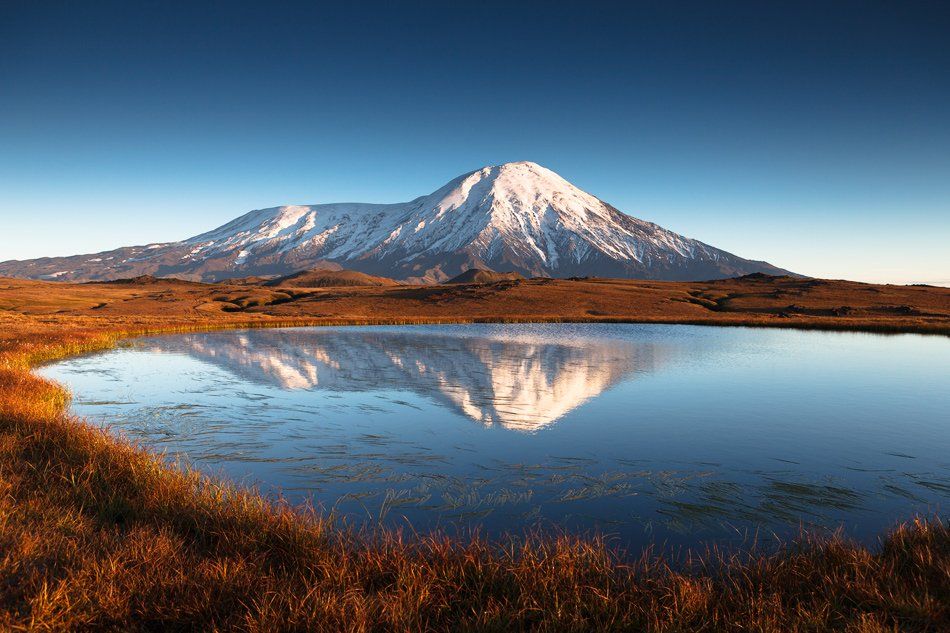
x=516, y=216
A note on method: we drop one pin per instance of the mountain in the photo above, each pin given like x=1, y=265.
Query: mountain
x=517, y=216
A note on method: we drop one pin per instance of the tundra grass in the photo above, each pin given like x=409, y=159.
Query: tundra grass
x=98, y=533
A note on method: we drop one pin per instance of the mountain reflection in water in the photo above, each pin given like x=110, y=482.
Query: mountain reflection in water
x=524, y=384
x=658, y=434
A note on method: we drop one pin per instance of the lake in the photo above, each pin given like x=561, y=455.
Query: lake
x=677, y=435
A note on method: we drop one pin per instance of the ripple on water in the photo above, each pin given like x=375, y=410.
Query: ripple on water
x=673, y=433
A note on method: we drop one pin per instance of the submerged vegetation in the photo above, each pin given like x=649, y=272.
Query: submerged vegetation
x=96, y=532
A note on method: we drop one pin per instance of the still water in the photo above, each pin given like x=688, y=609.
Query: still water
x=680, y=435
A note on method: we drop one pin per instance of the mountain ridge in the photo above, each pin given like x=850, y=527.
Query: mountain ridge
x=516, y=216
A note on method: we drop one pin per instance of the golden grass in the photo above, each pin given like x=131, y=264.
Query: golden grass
x=96, y=533
x=758, y=302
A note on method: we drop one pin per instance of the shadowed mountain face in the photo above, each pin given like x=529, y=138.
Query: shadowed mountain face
x=516, y=217
x=522, y=383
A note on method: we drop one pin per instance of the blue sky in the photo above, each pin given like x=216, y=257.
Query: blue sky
x=816, y=137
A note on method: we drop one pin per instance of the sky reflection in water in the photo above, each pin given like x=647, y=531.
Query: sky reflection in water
x=677, y=434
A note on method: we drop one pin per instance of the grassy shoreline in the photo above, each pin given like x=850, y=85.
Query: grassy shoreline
x=96, y=532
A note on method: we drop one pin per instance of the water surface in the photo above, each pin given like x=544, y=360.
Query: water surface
x=676, y=434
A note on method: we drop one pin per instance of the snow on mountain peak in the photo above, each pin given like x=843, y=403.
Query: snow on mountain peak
x=517, y=216
x=526, y=183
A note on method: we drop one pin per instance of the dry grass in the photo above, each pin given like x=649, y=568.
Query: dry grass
x=762, y=302
x=96, y=533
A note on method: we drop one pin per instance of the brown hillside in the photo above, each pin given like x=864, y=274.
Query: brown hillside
x=329, y=279
x=482, y=276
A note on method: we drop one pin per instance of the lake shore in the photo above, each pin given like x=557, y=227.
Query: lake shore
x=99, y=533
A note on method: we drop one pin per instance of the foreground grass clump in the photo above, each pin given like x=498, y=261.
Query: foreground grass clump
x=96, y=533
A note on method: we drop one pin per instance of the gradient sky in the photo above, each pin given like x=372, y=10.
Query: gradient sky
x=816, y=137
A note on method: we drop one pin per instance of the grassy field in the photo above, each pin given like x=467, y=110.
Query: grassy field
x=96, y=533
x=752, y=301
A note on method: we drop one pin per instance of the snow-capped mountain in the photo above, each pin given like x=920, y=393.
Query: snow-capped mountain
x=516, y=216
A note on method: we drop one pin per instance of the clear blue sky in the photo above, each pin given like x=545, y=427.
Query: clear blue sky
x=814, y=136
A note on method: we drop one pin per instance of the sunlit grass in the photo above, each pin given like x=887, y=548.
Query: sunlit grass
x=96, y=532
